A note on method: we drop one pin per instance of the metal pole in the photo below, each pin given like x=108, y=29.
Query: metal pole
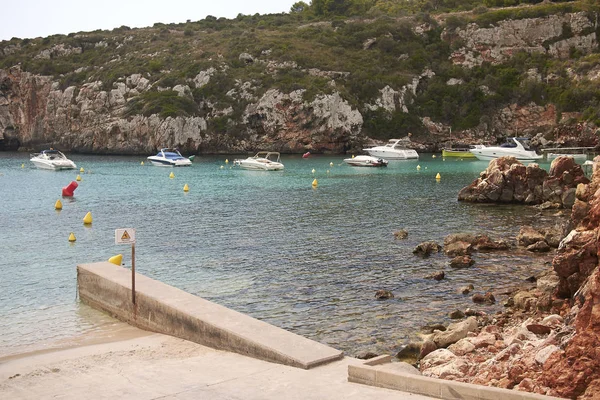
x=133, y=272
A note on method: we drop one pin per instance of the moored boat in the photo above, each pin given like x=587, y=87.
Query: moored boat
x=460, y=150
x=514, y=147
x=393, y=150
x=262, y=161
x=366, y=161
x=169, y=158
x=52, y=159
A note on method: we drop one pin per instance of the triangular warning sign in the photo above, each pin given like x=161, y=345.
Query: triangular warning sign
x=125, y=236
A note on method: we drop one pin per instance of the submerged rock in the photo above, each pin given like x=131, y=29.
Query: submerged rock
x=426, y=248
x=384, y=295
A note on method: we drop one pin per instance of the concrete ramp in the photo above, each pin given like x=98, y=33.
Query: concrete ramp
x=166, y=309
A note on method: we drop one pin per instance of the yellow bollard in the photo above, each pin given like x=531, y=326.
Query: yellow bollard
x=72, y=237
x=117, y=260
x=87, y=220
x=58, y=205
x=186, y=188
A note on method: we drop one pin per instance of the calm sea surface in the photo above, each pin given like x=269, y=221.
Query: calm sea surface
x=267, y=244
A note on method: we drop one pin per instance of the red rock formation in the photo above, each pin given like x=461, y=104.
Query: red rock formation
x=507, y=180
x=575, y=373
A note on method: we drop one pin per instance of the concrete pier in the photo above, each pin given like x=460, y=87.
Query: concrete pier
x=166, y=309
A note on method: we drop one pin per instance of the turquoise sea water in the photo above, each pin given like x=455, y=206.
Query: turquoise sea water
x=268, y=244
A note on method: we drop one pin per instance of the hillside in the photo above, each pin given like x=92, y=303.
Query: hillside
x=326, y=77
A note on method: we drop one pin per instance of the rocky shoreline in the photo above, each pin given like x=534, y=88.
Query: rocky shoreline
x=547, y=339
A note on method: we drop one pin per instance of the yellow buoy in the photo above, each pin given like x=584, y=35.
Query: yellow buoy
x=58, y=205
x=315, y=183
x=88, y=218
x=226, y=161
x=433, y=156
x=313, y=171
x=171, y=175
x=327, y=171
x=352, y=155
x=331, y=164
x=418, y=167
x=78, y=178
x=117, y=260
x=186, y=188
x=142, y=163
x=22, y=165
x=221, y=167
x=438, y=176
x=81, y=170
x=72, y=237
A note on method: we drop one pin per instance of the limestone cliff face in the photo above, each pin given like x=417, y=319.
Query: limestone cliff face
x=554, y=35
x=35, y=113
x=38, y=111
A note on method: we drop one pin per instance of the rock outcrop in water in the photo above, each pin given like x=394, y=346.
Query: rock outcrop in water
x=507, y=180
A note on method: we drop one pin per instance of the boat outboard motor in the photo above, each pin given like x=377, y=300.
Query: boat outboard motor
x=68, y=190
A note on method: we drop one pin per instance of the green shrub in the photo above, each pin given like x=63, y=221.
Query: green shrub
x=166, y=104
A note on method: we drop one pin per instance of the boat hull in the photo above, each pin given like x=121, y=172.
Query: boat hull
x=488, y=156
x=457, y=153
x=53, y=166
x=366, y=161
x=169, y=163
x=260, y=167
x=393, y=155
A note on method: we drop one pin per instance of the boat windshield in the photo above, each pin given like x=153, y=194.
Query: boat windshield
x=170, y=154
x=525, y=143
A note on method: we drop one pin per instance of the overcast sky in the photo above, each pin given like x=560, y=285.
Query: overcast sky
x=35, y=18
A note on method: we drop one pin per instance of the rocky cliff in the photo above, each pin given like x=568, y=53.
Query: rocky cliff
x=131, y=91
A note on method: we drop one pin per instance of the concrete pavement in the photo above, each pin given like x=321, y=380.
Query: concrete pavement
x=162, y=367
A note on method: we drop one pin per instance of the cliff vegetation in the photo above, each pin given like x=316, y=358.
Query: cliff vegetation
x=377, y=69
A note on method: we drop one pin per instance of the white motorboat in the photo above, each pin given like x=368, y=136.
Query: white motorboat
x=514, y=147
x=52, y=159
x=366, y=161
x=262, y=161
x=393, y=150
x=169, y=158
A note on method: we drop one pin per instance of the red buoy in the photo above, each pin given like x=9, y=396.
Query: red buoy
x=68, y=190
x=306, y=155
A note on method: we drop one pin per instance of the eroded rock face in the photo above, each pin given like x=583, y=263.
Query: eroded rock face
x=35, y=112
x=546, y=35
x=507, y=180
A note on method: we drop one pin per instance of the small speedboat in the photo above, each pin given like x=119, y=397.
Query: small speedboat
x=262, y=161
x=514, y=147
x=366, y=161
x=52, y=159
x=169, y=158
x=393, y=150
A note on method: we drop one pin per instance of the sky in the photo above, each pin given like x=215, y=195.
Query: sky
x=41, y=18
